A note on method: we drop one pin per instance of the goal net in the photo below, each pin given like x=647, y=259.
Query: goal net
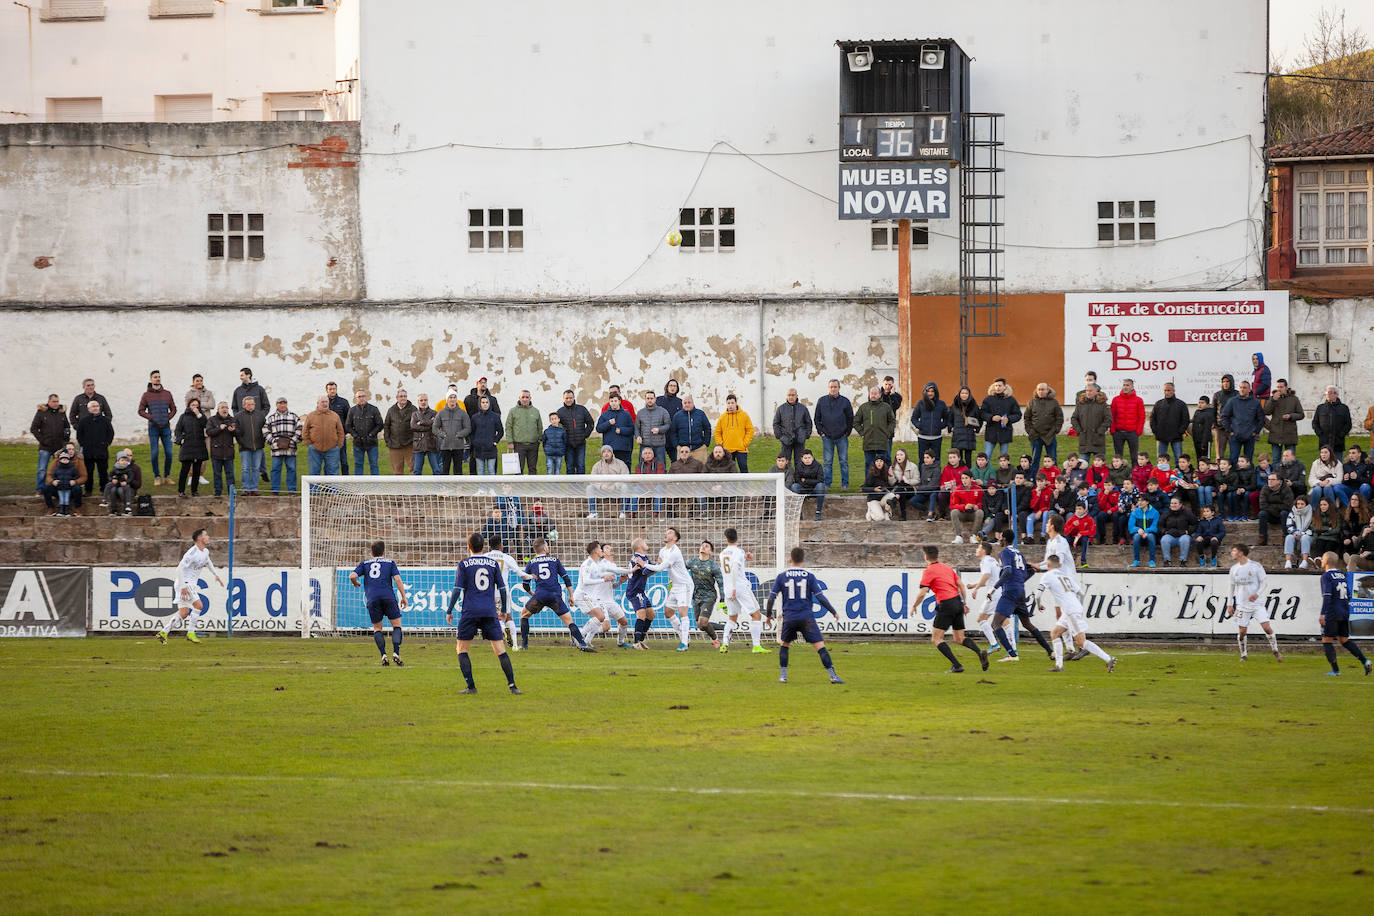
x=425, y=523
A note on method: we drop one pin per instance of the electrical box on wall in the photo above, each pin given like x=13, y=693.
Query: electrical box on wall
x=1338, y=350
x=1311, y=348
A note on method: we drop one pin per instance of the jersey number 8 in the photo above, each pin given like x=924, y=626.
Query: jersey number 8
x=374, y=570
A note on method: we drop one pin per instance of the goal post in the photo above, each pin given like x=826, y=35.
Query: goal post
x=425, y=523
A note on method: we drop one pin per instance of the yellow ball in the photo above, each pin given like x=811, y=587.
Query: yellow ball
x=674, y=238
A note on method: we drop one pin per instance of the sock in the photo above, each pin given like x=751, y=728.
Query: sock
x=1354, y=650
x=1058, y=653
x=1273, y=641
x=622, y=628
x=986, y=627
x=1095, y=649
x=196, y=615
x=1067, y=643
x=947, y=653
x=825, y=660
x=514, y=629
x=524, y=630
x=576, y=635
x=1039, y=636
x=641, y=627
x=1242, y=641
x=465, y=665
x=1002, y=638
x=755, y=631
x=380, y=639
x=726, y=631
x=782, y=658
x=709, y=629
x=685, y=627
x=971, y=644
x=1330, y=650
x=590, y=628
x=396, y=640
x=507, y=669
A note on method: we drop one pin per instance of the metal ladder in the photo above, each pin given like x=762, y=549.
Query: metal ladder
x=981, y=220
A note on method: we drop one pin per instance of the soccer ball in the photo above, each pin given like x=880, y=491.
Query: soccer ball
x=674, y=238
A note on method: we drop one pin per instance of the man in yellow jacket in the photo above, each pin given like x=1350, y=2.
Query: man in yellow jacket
x=734, y=432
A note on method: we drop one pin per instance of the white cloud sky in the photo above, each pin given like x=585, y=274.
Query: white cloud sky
x=1291, y=20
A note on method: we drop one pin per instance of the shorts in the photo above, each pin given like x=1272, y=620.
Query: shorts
x=1336, y=628
x=949, y=614
x=679, y=596
x=378, y=608
x=1072, y=621
x=1009, y=607
x=990, y=603
x=704, y=608
x=182, y=600
x=612, y=610
x=554, y=603
x=806, y=629
x=744, y=602
x=1246, y=614
x=488, y=627
x=640, y=602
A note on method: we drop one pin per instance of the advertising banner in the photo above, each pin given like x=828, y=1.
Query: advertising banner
x=896, y=191
x=1190, y=339
x=262, y=599
x=44, y=601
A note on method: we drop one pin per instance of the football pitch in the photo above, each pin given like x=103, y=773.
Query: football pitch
x=285, y=775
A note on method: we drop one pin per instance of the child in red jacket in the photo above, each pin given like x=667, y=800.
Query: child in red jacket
x=1080, y=529
x=1142, y=472
x=1041, y=506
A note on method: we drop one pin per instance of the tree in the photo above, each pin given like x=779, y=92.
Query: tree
x=1331, y=86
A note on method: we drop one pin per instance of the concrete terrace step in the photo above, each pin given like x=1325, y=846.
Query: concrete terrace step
x=938, y=532
x=162, y=552
x=170, y=506
x=908, y=555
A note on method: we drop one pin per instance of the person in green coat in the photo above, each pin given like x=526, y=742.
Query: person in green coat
x=876, y=424
x=524, y=426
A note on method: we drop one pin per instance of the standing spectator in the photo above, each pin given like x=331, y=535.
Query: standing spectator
x=1331, y=421
x=1259, y=380
x=63, y=482
x=365, y=425
x=1176, y=527
x=95, y=433
x=1089, y=378
x=1369, y=423
x=614, y=392
x=617, y=428
x=651, y=428
x=487, y=433
x=452, y=429
x=1169, y=421
x=577, y=421
x=1243, y=417
x=398, y=435
x=1275, y=500
x=965, y=417
x=734, y=432
x=807, y=479
x=1298, y=536
x=340, y=407
x=252, y=438
x=282, y=429
x=126, y=479
x=892, y=398
x=669, y=400
x=220, y=431
x=88, y=394
x=323, y=434
x=192, y=450
x=834, y=422
x=1324, y=476
x=200, y=393
x=875, y=423
x=931, y=418
x=1092, y=419
x=1128, y=422
x=1204, y=424
x=1000, y=415
x=1044, y=420
x=555, y=442
x=426, y=444
x=158, y=407
x=792, y=427
x=1284, y=410
x=692, y=428
x=966, y=509
x=473, y=404
x=52, y=429
x=524, y=426
x=248, y=388
x=1223, y=395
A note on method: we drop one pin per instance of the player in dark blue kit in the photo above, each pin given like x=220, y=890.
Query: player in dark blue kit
x=799, y=589
x=1012, y=581
x=636, y=595
x=1335, y=617
x=382, y=581
x=546, y=593
x=481, y=586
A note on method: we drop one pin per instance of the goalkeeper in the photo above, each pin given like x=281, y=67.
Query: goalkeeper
x=708, y=589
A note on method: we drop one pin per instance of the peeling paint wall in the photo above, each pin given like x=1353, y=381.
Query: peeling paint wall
x=118, y=212
x=1351, y=320
x=712, y=348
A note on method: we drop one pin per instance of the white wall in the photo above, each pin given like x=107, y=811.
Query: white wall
x=1348, y=319
x=128, y=58
x=1095, y=92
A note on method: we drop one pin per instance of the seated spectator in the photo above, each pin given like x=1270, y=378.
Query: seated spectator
x=1275, y=502
x=191, y=446
x=649, y=463
x=1075, y=471
x=1118, y=472
x=966, y=509
x=496, y=526
x=1157, y=497
x=1211, y=531
x=1324, y=475
x=220, y=431
x=63, y=482
x=686, y=463
x=539, y=525
x=1293, y=471
x=1353, y=523
x=95, y=434
x=878, y=489
x=1081, y=530
x=1121, y=521
x=926, y=498
x=1206, y=480
x=609, y=465
x=1298, y=536
x=555, y=442
x=1183, y=482
x=1050, y=469
x=52, y=429
x=808, y=479
x=1063, y=500
x=1230, y=493
x=1176, y=528
x=718, y=462
x=950, y=476
x=1097, y=475
x=1326, y=527
x=1108, y=504
x=982, y=470
x=1355, y=475
x=1004, y=472
x=1143, y=526
x=1142, y=472
x=902, y=477
x=996, y=513
x=1361, y=557
x=126, y=479
x=1041, y=506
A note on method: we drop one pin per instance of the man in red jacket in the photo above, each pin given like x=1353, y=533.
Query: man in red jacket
x=1128, y=420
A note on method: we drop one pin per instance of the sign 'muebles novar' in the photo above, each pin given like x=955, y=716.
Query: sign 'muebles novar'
x=869, y=191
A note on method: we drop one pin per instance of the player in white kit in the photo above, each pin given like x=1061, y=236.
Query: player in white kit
x=679, y=603
x=1247, y=591
x=988, y=567
x=739, y=594
x=508, y=565
x=1072, y=621
x=595, y=594
x=196, y=559
x=1058, y=546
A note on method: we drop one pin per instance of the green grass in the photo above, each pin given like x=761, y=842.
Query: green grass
x=18, y=462
x=283, y=775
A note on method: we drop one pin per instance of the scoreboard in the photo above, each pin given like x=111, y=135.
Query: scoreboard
x=902, y=137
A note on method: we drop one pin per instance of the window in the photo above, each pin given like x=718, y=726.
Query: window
x=285, y=5
x=235, y=236
x=71, y=110
x=496, y=230
x=183, y=108
x=706, y=228
x=1332, y=215
x=180, y=9
x=1125, y=222
x=884, y=234
x=60, y=10
x=297, y=114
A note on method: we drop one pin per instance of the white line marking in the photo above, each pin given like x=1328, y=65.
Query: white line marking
x=681, y=790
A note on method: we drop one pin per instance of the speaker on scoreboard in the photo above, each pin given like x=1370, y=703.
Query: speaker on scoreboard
x=860, y=59
x=932, y=57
